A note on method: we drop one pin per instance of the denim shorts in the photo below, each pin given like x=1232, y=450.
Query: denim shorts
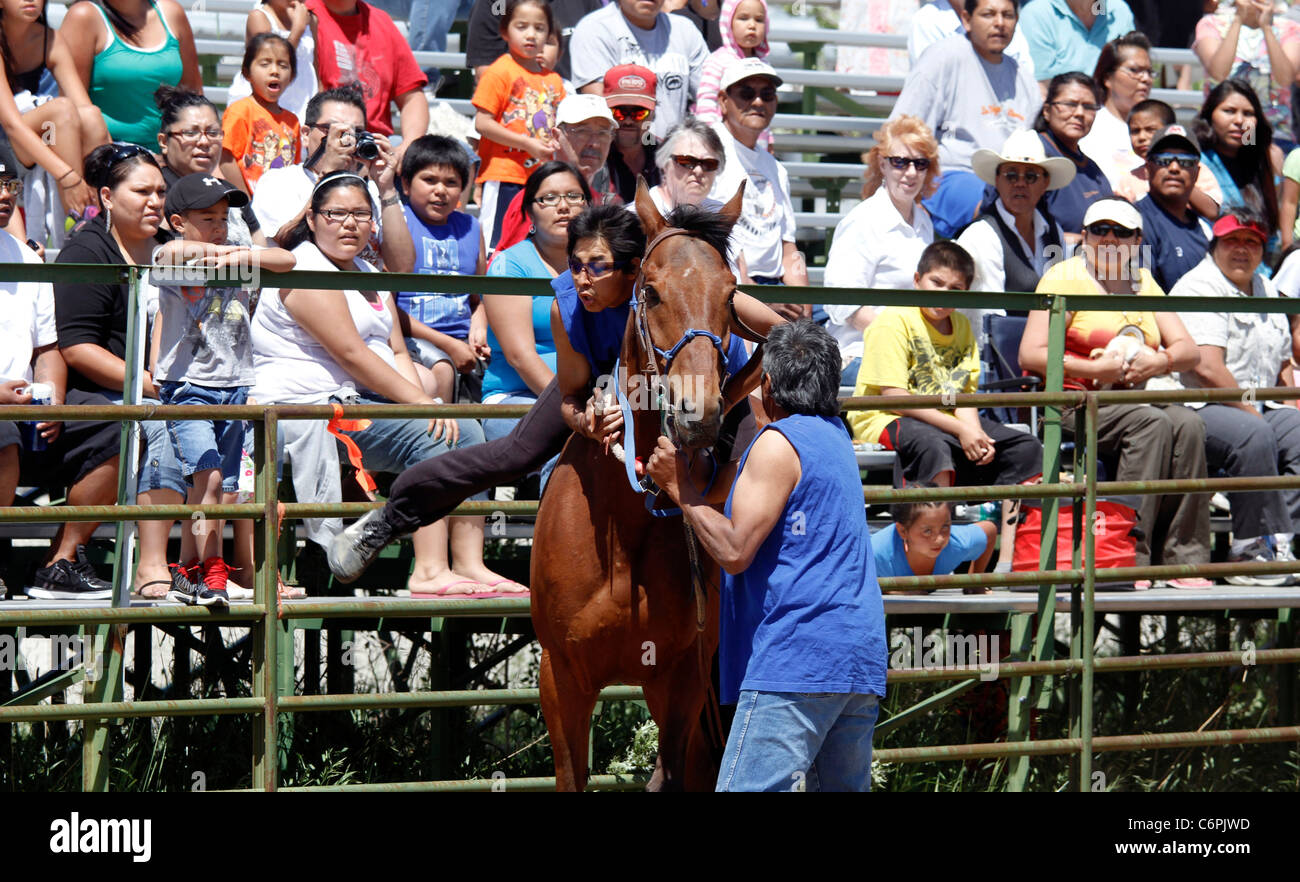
x=426, y=353
x=158, y=467
x=206, y=444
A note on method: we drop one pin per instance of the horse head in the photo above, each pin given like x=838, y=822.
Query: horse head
x=682, y=317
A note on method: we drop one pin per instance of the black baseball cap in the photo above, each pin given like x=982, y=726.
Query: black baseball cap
x=201, y=191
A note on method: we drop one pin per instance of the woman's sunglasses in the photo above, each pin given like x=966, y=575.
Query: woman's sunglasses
x=630, y=114
x=898, y=163
x=1106, y=229
x=690, y=162
x=596, y=269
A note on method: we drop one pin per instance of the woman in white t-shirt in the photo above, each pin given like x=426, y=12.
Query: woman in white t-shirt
x=318, y=346
x=1124, y=71
x=879, y=243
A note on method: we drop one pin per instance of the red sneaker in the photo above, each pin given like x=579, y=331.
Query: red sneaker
x=212, y=590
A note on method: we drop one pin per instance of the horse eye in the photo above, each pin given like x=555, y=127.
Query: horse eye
x=651, y=296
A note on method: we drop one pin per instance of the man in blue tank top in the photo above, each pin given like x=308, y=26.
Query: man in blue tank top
x=802, y=649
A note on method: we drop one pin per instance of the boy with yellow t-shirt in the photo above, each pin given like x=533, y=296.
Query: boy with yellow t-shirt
x=932, y=351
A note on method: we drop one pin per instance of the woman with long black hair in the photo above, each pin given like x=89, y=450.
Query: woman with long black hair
x=1235, y=138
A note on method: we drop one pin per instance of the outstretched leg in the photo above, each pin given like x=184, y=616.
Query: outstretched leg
x=567, y=707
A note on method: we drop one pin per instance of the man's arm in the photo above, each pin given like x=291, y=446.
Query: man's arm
x=414, y=109
x=50, y=368
x=763, y=488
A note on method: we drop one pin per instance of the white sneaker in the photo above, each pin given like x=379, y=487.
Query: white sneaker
x=1260, y=550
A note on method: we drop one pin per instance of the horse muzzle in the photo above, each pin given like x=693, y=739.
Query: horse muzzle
x=693, y=427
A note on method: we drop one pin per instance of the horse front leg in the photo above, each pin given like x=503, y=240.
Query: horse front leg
x=675, y=700
x=567, y=708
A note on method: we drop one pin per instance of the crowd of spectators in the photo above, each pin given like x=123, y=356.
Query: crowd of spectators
x=1025, y=133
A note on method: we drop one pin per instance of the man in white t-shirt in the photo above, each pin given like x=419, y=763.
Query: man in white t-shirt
x=764, y=234
x=82, y=455
x=283, y=195
x=637, y=32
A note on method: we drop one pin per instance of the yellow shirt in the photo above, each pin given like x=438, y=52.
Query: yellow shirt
x=903, y=350
x=1090, y=331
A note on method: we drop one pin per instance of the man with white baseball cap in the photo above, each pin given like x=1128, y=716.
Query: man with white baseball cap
x=764, y=234
x=1013, y=240
x=584, y=128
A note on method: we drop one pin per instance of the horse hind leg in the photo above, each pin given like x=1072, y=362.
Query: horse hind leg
x=567, y=707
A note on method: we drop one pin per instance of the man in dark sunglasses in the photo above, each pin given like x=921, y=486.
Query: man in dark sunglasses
x=630, y=94
x=1176, y=235
x=764, y=235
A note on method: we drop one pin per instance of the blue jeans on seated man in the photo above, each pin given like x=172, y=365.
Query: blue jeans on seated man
x=159, y=468
x=397, y=444
x=799, y=741
x=206, y=444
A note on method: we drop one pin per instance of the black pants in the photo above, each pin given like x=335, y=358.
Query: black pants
x=428, y=491
x=924, y=452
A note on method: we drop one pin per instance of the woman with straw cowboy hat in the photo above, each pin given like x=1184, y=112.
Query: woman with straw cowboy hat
x=1014, y=239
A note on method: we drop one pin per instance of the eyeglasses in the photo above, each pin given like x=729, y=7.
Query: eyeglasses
x=339, y=215
x=1102, y=229
x=12, y=186
x=1139, y=73
x=690, y=163
x=746, y=94
x=550, y=200
x=1072, y=106
x=1030, y=177
x=597, y=269
x=588, y=133
x=191, y=135
x=630, y=114
x=1164, y=160
x=898, y=163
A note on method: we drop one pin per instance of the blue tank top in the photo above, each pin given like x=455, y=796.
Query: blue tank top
x=446, y=250
x=598, y=336
x=807, y=615
x=519, y=262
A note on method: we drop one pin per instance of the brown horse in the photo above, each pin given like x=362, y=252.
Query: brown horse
x=612, y=598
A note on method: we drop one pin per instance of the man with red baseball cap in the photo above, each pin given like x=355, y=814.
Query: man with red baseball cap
x=1246, y=350
x=630, y=94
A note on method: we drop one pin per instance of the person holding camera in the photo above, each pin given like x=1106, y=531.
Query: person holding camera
x=337, y=140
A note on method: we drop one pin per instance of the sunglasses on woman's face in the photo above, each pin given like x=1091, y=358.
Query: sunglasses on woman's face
x=691, y=162
x=630, y=114
x=1102, y=229
x=898, y=163
x=597, y=269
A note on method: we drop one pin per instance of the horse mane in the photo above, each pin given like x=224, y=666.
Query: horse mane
x=712, y=227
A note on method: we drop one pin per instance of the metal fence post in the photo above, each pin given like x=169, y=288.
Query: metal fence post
x=108, y=686
x=1024, y=692
x=1091, y=525
x=266, y=593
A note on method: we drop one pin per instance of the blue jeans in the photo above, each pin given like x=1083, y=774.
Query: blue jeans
x=428, y=21
x=494, y=429
x=207, y=444
x=799, y=741
x=849, y=377
x=396, y=445
x=159, y=469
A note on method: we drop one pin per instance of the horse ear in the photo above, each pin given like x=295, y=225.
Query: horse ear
x=731, y=211
x=651, y=220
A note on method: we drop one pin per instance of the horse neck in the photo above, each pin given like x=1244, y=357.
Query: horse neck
x=645, y=420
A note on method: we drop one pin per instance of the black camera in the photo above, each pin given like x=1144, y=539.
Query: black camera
x=367, y=147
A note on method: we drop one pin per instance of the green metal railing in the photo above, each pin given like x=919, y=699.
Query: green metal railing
x=1030, y=673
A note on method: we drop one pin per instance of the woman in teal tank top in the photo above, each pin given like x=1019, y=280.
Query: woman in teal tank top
x=124, y=51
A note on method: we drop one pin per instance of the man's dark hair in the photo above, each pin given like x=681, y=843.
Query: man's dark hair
x=947, y=255
x=343, y=95
x=430, y=150
x=619, y=228
x=972, y=5
x=802, y=362
x=1157, y=107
